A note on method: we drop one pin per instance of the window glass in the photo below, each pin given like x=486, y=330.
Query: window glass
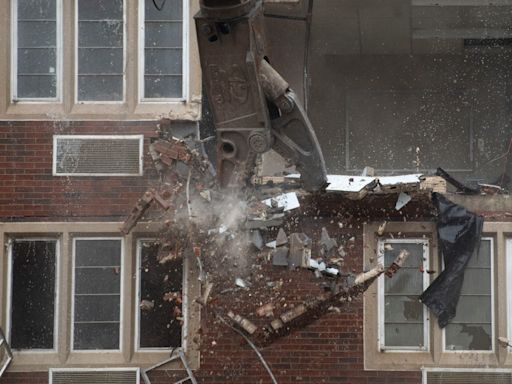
x=163, y=49
x=36, y=66
x=403, y=314
x=97, y=294
x=472, y=329
x=100, y=50
x=33, y=294
x=160, y=298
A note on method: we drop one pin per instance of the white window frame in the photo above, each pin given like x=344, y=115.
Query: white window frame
x=121, y=296
x=56, y=297
x=381, y=302
x=14, y=57
x=493, y=320
x=75, y=70
x=185, y=57
x=508, y=263
x=111, y=137
x=184, y=327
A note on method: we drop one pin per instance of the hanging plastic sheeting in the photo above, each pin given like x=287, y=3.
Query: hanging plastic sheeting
x=459, y=233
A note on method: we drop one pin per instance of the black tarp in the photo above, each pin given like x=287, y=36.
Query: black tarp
x=459, y=232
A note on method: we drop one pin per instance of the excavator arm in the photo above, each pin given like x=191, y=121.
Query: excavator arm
x=253, y=107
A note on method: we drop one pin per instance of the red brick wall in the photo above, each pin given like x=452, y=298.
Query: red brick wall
x=28, y=191
x=327, y=351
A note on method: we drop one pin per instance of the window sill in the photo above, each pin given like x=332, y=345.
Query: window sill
x=42, y=361
x=176, y=110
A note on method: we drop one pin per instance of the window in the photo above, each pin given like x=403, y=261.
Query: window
x=33, y=266
x=75, y=292
x=162, y=55
x=97, y=293
x=103, y=59
x=159, y=285
x=509, y=288
x=473, y=329
x=392, y=330
x=100, y=73
x=36, y=49
x=403, y=321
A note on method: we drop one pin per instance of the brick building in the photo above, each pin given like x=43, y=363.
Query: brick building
x=401, y=85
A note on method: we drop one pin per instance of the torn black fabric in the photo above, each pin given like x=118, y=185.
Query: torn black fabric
x=459, y=232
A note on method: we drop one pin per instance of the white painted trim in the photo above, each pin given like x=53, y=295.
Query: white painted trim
x=106, y=137
x=138, y=298
x=14, y=56
x=121, y=296
x=125, y=61
x=508, y=260
x=381, y=304
x=128, y=369
x=184, y=57
x=56, y=292
x=493, y=321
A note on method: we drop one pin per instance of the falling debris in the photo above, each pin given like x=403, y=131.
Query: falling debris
x=181, y=356
x=459, y=232
x=287, y=201
x=327, y=243
x=381, y=229
x=403, y=200
x=397, y=263
x=240, y=283
x=300, y=250
x=5, y=353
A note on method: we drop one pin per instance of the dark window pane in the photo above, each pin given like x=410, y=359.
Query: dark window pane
x=172, y=10
x=37, y=86
x=163, y=61
x=97, y=253
x=36, y=34
x=162, y=86
x=96, y=336
x=160, y=326
x=100, y=34
x=97, y=280
x=36, y=9
x=100, y=60
x=33, y=294
x=163, y=34
x=97, y=308
x=36, y=61
x=100, y=9
x=100, y=88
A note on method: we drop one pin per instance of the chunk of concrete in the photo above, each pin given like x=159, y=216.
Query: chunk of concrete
x=300, y=250
x=281, y=239
x=280, y=256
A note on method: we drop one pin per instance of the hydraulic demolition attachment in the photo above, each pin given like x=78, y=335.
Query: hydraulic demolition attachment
x=253, y=107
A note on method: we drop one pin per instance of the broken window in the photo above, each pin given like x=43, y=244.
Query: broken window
x=33, y=266
x=100, y=52
x=163, y=50
x=403, y=323
x=472, y=329
x=160, y=297
x=36, y=49
x=97, y=294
